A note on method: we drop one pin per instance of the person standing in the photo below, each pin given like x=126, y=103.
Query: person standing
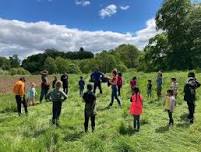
x=113, y=82
x=90, y=106
x=31, y=94
x=149, y=88
x=159, y=82
x=119, y=83
x=19, y=91
x=54, y=82
x=57, y=96
x=96, y=77
x=133, y=83
x=174, y=86
x=64, y=79
x=190, y=94
x=136, y=107
x=44, y=89
x=81, y=85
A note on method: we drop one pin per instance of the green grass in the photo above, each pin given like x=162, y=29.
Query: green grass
x=113, y=127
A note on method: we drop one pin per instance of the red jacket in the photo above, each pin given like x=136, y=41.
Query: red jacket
x=136, y=104
x=133, y=83
x=119, y=81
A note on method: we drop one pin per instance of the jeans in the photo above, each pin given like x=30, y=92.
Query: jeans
x=43, y=94
x=19, y=102
x=114, y=96
x=97, y=84
x=56, y=111
x=136, y=122
x=86, y=121
x=81, y=91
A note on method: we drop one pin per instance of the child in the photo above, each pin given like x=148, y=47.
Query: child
x=113, y=82
x=90, y=105
x=57, y=96
x=81, y=85
x=174, y=86
x=169, y=105
x=119, y=83
x=54, y=82
x=32, y=94
x=133, y=83
x=159, y=82
x=149, y=88
x=136, y=107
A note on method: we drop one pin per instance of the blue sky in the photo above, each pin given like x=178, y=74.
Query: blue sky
x=67, y=12
x=30, y=26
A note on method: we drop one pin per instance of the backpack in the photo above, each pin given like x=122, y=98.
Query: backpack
x=189, y=93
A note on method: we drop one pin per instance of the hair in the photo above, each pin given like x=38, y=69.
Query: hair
x=171, y=92
x=114, y=72
x=81, y=77
x=191, y=74
x=120, y=74
x=33, y=84
x=58, y=84
x=55, y=77
x=134, y=78
x=89, y=87
x=173, y=79
x=22, y=79
x=136, y=90
x=149, y=81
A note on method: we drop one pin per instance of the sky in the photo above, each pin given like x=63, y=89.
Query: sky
x=30, y=26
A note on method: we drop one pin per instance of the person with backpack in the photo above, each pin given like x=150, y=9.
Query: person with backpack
x=136, y=107
x=119, y=83
x=57, y=96
x=64, y=79
x=90, y=108
x=190, y=94
x=19, y=91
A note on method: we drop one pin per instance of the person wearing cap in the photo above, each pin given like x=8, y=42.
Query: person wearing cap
x=190, y=94
x=19, y=91
x=57, y=96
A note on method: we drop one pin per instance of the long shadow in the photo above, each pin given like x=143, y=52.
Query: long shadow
x=127, y=131
x=162, y=129
x=73, y=137
x=183, y=125
x=103, y=109
x=184, y=117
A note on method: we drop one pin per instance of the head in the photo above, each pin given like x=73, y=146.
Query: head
x=114, y=73
x=135, y=90
x=170, y=92
x=65, y=73
x=149, y=81
x=81, y=78
x=33, y=85
x=191, y=74
x=173, y=79
x=22, y=79
x=134, y=78
x=89, y=87
x=120, y=74
x=55, y=78
x=58, y=84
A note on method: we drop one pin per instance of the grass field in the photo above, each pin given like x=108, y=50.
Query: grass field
x=34, y=133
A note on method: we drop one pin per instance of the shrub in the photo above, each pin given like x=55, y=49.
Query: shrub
x=18, y=71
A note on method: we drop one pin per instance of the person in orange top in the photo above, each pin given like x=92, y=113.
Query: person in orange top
x=136, y=107
x=19, y=91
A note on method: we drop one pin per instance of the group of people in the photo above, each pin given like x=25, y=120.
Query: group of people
x=60, y=90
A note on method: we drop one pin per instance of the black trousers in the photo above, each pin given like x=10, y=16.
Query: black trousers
x=97, y=84
x=136, y=122
x=65, y=89
x=119, y=90
x=171, y=121
x=191, y=109
x=114, y=96
x=19, y=102
x=56, y=111
x=43, y=94
x=86, y=121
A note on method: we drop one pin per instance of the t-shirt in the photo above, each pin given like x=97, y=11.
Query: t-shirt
x=119, y=81
x=64, y=79
x=81, y=84
x=90, y=103
x=149, y=86
x=56, y=95
x=31, y=92
x=133, y=83
x=96, y=76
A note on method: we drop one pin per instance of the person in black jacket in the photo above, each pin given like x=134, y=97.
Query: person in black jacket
x=190, y=94
x=90, y=106
x=64, y=79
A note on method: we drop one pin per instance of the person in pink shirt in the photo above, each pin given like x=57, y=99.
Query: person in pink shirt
x=133, y=83
x=119, y=83
x=136, y=107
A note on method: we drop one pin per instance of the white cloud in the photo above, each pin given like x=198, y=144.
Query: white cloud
x=108, y=11
x=26, y=38
x=82, y=2
x=124, y=7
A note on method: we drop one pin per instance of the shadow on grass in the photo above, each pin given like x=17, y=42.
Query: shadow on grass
x=73, y=137
x=103, y=109
x=184, y=117
x=183, y=125
x=124, y=130
x=162, y=129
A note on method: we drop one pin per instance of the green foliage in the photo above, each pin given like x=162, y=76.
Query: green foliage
x=14, y=61
x=4, y=63
x=18, y=71
x=73, y=68
x=50, y=65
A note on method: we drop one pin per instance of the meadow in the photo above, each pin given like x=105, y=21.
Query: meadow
x=34, y=133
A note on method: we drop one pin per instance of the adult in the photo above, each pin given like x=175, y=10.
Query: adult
x=113, y=82
x=64, y=79
x=96, y=77
x=19, y=91
x=44, y=85
x=159, y=82
x=190, y=94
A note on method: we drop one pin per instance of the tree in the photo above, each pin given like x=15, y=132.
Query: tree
x=4, y=63
x=62, y=65
x=50, y=65
x=14, y=61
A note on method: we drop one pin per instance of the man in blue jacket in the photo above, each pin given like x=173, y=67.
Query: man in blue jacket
x=96, y=77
